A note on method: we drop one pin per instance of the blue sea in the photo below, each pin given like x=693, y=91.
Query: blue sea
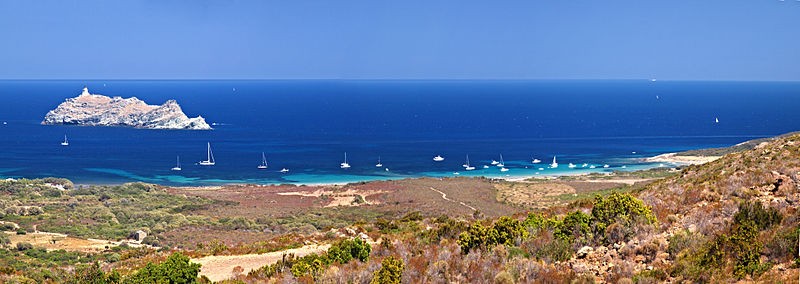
x=306, y=126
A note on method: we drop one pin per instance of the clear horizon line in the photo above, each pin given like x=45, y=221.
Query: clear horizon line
x=395, y=79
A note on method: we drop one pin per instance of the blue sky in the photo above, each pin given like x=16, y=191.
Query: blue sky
x=573, y=39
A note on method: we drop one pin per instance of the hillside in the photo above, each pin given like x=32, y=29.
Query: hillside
x=733, y=219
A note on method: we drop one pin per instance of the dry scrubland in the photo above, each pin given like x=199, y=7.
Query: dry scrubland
x=732, y=219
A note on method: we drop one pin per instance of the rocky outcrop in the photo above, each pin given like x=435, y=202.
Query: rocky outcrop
x=98, y=110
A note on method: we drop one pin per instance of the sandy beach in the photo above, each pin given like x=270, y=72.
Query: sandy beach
x=686, y=160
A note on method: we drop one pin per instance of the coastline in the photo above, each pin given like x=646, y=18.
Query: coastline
x=680, y=159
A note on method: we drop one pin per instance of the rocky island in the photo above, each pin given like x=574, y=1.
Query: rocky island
x=98, y=110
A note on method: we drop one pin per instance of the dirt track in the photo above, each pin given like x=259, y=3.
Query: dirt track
x=220, y=267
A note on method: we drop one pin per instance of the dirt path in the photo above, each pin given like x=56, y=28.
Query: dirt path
x=444, y=196
x=56, y=241
x=220, y=267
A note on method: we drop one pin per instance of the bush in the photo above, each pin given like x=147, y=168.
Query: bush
x=505, y=231
x=4, y=240
x=176, y=269
x=311, y=264
x=783, y=247
x=682, y=241
x=412, y=216
x=620, y=208
x=742, y=246
x=345, y=250
x=754, y=211
x=24, y=246
x=448, y=229
x=574, y=226
x=391, y=271
x=92, y=274
x=473, y=237
x=548, y=248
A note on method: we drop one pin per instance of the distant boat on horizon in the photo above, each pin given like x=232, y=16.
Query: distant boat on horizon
x=263, y=164
x=379, y=165
x=438, y=158
x=344, y=165
x=716, y=120
x=65, y=143
x=209, y=157
x=536, y=161
x=571, y=166
x=177, y=164
x=284, y=170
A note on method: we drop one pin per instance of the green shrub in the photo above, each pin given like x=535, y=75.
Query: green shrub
x=574, y=227
x=535, y=221
x=4, y=240
x=176, y=269
x=473, y=237
x=783, y=246
x=412, y=216
x=682, y=241
x=391, y=271
x=548, y=248
x=447, y=228
x=620, y=208
x=754, y=211
x=311, y=264
x=92, y=274
x=506, y=231
x=346, y=250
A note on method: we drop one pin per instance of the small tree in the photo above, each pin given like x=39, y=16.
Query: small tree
x=176, y=269
x=391, y=271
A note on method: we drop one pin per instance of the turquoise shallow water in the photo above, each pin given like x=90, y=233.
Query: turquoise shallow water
x=306, y=126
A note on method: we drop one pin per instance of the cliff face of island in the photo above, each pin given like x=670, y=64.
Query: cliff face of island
x=98, y=110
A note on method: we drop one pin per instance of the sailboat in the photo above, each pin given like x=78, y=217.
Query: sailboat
x=178, y=164
x=65, y=143
x=716, y=120
x=379, y=165
x=554, y=164
x=263, y=164
x=344, y=165
x=209, y=157
x=468, y=167
x=502, y=164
